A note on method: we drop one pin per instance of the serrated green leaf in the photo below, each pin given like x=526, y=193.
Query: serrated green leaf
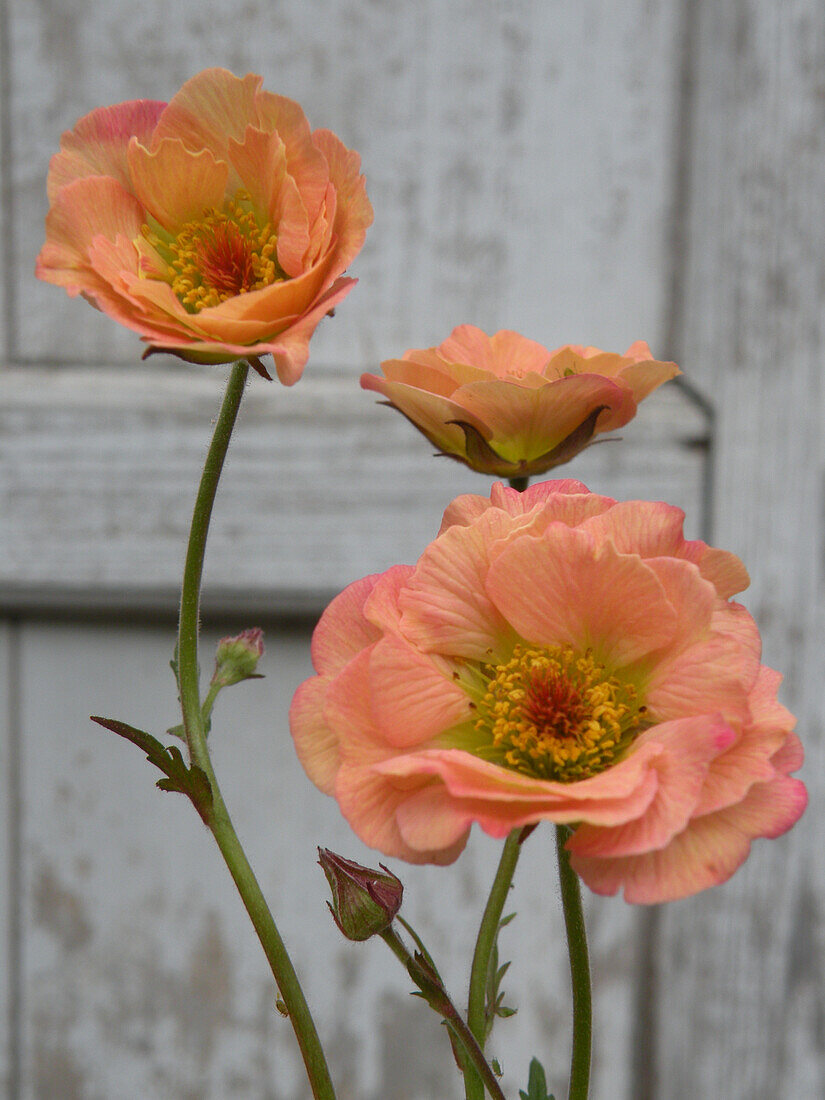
x=154, y=750
x=192, y=782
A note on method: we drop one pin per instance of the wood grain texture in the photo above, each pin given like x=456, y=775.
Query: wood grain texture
x=741, y=970
x=8, y=837
x=98, y=472
x=514, y=154
x=141, y=974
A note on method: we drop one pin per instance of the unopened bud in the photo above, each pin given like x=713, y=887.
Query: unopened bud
x=237, y=658
x=364, y=901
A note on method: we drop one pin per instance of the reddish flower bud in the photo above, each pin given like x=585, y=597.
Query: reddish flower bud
x=364, y=901
x=237, y=657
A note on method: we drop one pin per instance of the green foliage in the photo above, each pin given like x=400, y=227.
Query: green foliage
x=536, y=1084
x=192, y=782
x=495, y=997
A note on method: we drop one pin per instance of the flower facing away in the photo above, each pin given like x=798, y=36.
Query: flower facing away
x=364, y=901
x=555, y=655
x=504, y=405
x=217, y=225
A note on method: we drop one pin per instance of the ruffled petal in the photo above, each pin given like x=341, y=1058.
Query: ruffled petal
x=709, y=677
x=261, y=164
x=343, y=630
x=526, y=422
x=210, y=108
x=353, y=210
x=97, y=206
x=753, y=757
x=98, y=143
x=582, y=594
x=643, y=378
x=412, y=699
x=371, y=805
x=382, y=608
x=431, y=820
x=433, y=415
x=174, y=184
x=689, y=747
x=489, y=793
x=315, y=742
x=705, y=854
x=445, y=606
x=723, y=569
x=420, y=375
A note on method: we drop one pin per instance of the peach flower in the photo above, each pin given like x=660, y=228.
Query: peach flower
x=216, y=225
x=505, y=405
x=555, y=655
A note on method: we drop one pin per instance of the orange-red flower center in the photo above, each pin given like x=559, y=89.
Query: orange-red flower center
x=221, y=255
x=555, y=714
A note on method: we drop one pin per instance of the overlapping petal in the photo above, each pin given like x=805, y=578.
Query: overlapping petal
x=397, y=723
x=241, y=221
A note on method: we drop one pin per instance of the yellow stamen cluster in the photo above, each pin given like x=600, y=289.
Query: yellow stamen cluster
x=221, y=255
x=556, y=714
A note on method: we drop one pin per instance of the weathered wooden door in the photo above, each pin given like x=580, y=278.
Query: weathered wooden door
x=589, y=172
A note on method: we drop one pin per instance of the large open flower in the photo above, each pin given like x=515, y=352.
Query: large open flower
x=555, y=655
x=505, y=405
x=217, y=225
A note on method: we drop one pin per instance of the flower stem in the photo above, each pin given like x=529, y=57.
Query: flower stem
x=193, y=721
x=477, y=1005
x=579, y=969
x=429, y=982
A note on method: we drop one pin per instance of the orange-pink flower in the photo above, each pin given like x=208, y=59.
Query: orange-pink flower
x=555, y=655
x=217, y=225
x=505, y=405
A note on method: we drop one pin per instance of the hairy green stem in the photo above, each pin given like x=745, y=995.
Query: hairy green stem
x=571, y=899
x=193, y=722
x=437, y=997
x=477, y=1004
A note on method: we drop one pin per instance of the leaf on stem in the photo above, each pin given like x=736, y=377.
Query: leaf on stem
x=495, y=997
x=192, y=782
x=536, y=1084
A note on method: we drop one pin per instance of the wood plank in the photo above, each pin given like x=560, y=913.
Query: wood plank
x=98, y=472
x=8, y=863
x=515, y=154
x=141, y=974
x=741, y=976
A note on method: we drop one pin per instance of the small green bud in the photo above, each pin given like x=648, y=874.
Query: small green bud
x=364, y=901
x=237, y=657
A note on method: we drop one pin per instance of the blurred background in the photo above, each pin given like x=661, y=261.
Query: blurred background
x=585, y=173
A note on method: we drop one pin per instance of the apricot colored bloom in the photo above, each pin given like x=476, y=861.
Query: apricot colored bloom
x=217, y=225
x=555, y=655
x=505, y=405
